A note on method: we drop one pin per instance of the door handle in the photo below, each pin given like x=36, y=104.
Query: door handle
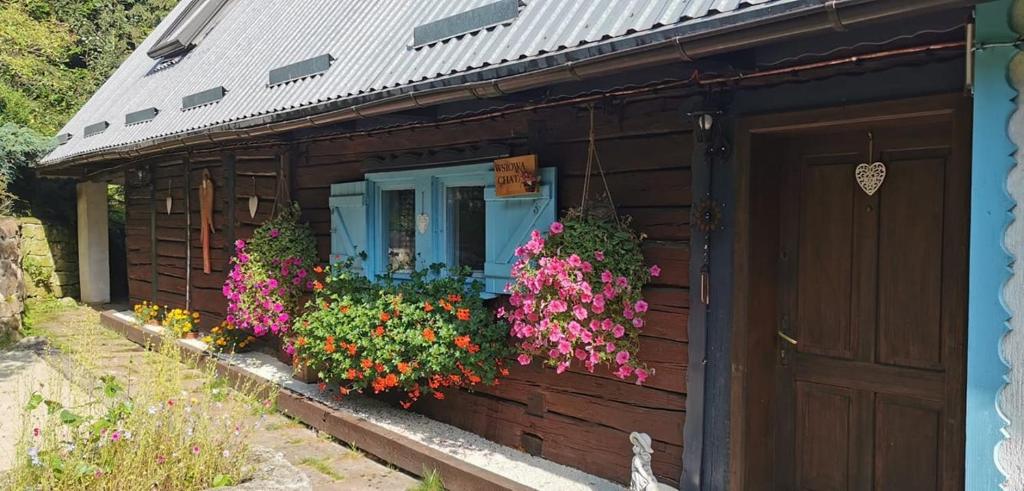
x=786, y=338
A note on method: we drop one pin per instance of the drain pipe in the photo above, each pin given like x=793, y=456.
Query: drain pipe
x=818, y=16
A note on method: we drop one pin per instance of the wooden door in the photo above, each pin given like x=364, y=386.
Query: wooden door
x=872, y=300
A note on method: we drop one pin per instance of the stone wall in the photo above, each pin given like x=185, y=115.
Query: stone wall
x=49, y=258
x=12, y=290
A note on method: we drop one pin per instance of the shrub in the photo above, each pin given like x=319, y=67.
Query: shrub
x=576, y=295
x=417, y=336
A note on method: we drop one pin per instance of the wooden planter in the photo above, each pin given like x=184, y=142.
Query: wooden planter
x=303, y=372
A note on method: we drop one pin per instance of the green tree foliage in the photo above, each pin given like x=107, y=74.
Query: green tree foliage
x=55, y=53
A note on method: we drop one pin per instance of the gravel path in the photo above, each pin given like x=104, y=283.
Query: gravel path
x=328, y=464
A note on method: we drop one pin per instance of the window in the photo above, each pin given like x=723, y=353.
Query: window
x=450, y=215
x=399, y=212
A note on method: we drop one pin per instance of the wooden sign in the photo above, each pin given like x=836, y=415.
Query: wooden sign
x=514, y=176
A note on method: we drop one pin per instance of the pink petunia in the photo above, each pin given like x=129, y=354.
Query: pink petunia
x=655, y=271
x=557, y=227
x=622, y=357
x=618, y=331
x=524, y=359
x=640, y=306
x=599, y=255
x=641, y=376
x=607, y=276
x=579, y=312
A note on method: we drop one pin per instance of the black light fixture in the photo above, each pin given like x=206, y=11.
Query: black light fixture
x=704, y=124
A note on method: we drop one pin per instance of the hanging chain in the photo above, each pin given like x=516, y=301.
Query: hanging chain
x=593, y=157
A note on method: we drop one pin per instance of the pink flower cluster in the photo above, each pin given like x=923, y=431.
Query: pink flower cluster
x=566, y=308
x=259, y=303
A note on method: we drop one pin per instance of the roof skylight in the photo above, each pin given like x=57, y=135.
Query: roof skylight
x=185, y=30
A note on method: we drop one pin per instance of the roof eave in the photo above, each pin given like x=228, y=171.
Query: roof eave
x=685, y=43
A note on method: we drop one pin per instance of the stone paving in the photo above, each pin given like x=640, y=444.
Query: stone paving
x=329, y=465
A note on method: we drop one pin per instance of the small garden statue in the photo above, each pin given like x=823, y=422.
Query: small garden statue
x=641, y=477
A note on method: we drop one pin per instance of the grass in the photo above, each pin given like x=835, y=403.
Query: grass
x=146, y=429
x=353, y=451
x=431, y=481
x=321, y=465
x=41, y=310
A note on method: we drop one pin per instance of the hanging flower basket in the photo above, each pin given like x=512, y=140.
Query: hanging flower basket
x=270, y=275
x=576, y=296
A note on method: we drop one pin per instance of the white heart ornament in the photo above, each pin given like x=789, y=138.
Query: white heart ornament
x=870, y=177
x=254, y=203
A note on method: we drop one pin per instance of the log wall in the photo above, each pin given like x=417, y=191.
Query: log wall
x=576, y=418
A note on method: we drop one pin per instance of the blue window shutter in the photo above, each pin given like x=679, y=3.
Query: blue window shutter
x=509, y=224
x=349, y=213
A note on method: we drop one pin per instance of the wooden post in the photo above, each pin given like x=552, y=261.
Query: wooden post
x=188, y=232
x=230, y=179
x=152, y=231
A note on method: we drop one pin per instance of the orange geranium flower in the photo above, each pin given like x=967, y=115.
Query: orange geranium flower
x=379, y=331
x=473, y=348
x=301, y=341
x=384, y=316
x=474, y=379
x=462, y=314
x=403, y=367
x=351, y=374
x=351, y=349
x=445, y=305
x=318, y=286
x=343, y=309
x=343, y=391
x=329, y=345
x=462, y=341
x=379, y=367
x=428, y=334
x=453, y=298
x=318, y=269
x=427, y=307
x=438, y=395
x=406, y=404
x=367, y=363
x=391, y=380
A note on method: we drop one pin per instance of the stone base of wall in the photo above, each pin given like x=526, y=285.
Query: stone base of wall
x=49, y=258
x=12, y=289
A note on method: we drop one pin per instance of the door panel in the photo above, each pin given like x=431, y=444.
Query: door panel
x=908, y=443
x=825, y=271
x=824, y=414
x=871, y=287
x=910, y=263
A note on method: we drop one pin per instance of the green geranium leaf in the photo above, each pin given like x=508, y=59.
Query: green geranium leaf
x=34, y=401
x=70, y=418
x=221, y=480
x=52, y=406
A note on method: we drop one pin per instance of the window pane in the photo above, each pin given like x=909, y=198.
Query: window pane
x=466, y=218
x=400, y=213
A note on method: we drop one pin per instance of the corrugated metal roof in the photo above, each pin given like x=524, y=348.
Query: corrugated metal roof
x=371, y=41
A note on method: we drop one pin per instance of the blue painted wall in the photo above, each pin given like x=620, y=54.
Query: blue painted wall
x=992, y=160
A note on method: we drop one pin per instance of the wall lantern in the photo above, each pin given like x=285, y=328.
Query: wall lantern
x=704, y=124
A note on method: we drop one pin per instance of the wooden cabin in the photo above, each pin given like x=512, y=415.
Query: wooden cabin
x=810, y=327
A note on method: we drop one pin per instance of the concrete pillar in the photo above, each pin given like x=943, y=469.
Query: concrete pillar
x=93, y=246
